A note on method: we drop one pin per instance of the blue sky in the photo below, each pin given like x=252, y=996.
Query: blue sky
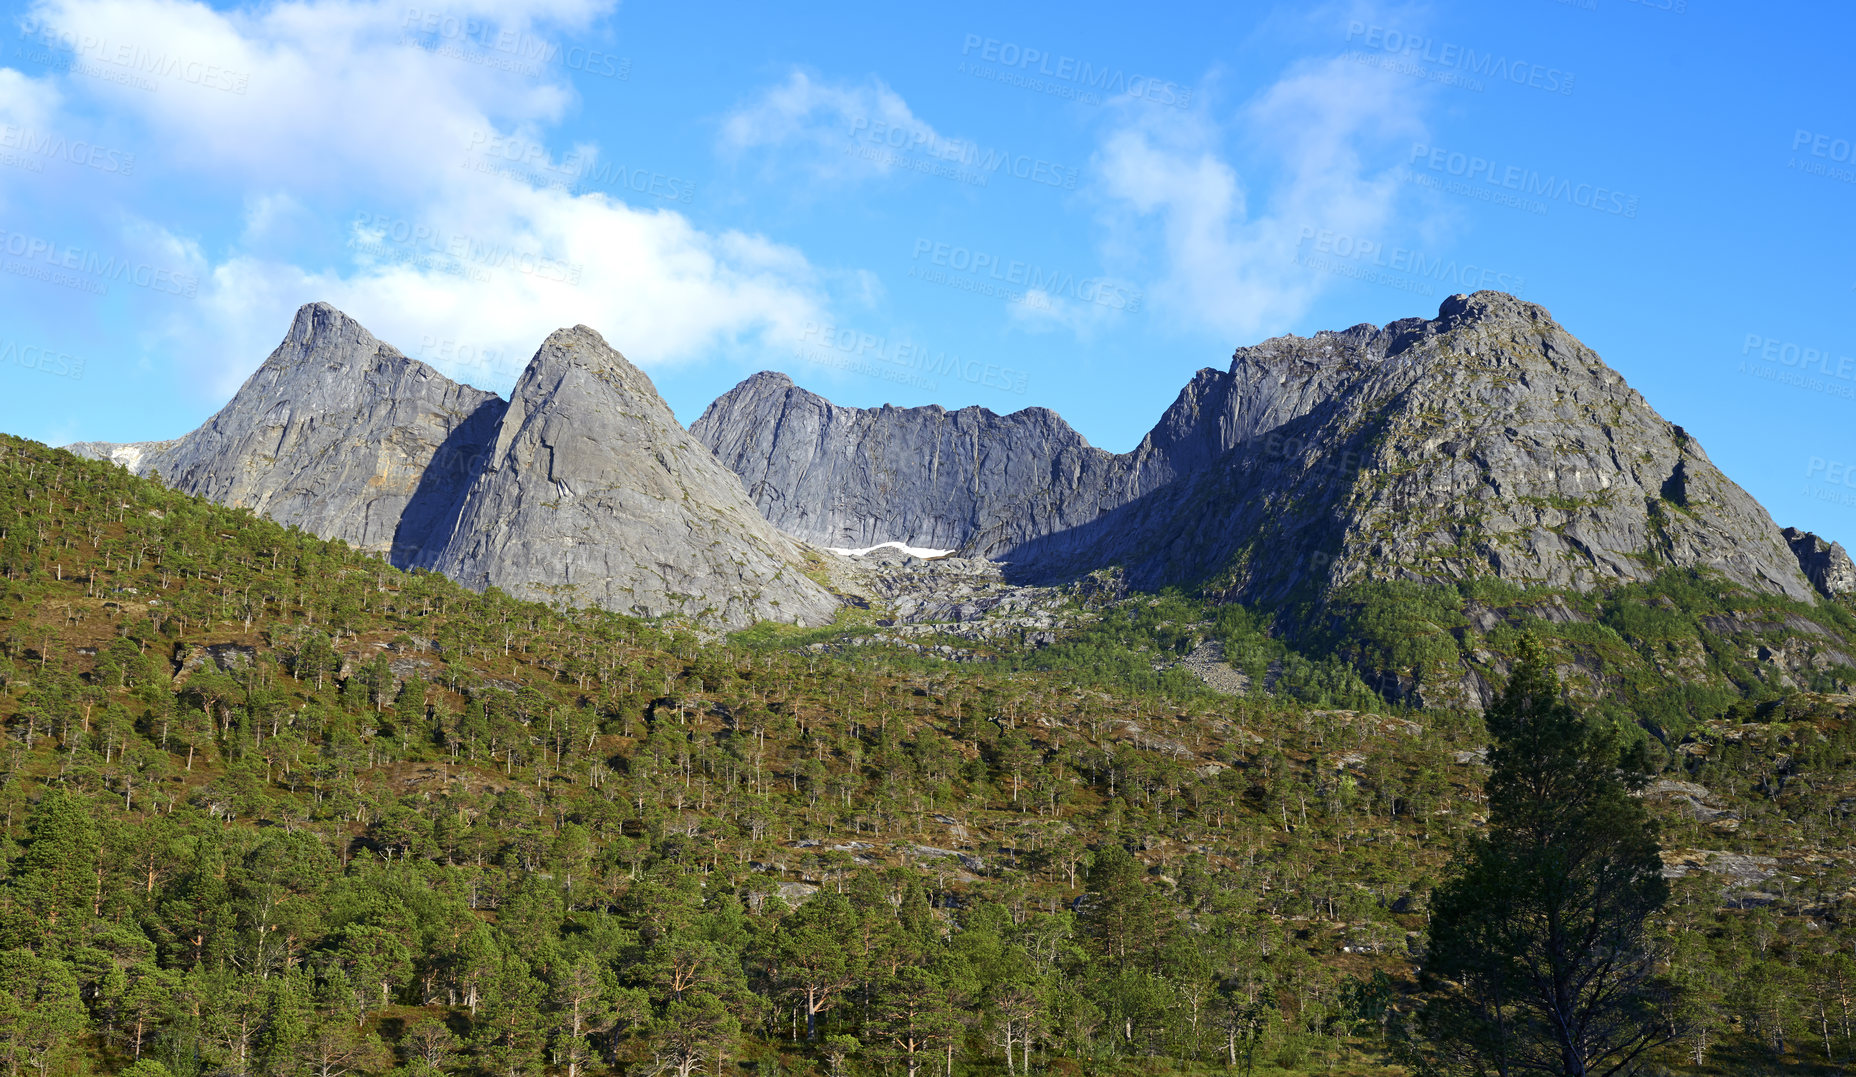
x=1073, y=206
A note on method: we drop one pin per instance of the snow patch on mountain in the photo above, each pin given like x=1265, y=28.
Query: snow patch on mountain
x=912, y=551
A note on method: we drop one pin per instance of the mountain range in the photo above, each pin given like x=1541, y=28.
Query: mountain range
x=581, y=488
x=1487, y=441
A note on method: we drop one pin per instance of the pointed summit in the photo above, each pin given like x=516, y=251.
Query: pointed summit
x=593, y=494
x=1486, y=441
x=322, y=339
x=317, y=319
x=336, y=433
x=587, y=490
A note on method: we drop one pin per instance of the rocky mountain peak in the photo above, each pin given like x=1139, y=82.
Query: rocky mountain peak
x=593, y=494
x=1470, y=307
x=924, y=476
x=336, y=433
x=1483, y=441
x=575, y=387
x=578, y=360
x=582, y=487
x=582, y=346
x=318, y=319
x=766, y=381
x=322, y=340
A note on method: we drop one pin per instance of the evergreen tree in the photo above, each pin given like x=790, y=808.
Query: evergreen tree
x=42, y=1018
x=238, y=873
x=1122, y=919
x=812, y=960
x=56, y=882
x=915, y=1018
x=1539, y=958
x=692, y=1031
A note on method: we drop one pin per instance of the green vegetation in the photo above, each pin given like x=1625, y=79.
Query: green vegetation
x=268, y=806
x=1540, y=958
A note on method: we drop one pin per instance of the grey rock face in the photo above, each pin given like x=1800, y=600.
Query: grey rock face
x=1485, y=441
x=593, y=494
x=972, y=480
x=1826, y=564
x=587, y=490
x=847, y=477
x=337, y=433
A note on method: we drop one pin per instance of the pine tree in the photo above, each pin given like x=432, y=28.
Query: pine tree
x=1119, y=919
x=915, y=1018
x=56, y=878
x=42, y=1018
x=692, y=1031
x=810, y=955
x=1539, y=958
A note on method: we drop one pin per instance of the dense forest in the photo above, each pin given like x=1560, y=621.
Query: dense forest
x=269, y=806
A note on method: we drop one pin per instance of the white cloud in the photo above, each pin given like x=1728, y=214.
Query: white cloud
x=474, y=293
x=1086, y=307
x=328, y=113
x=27, y=106
x=833, y=131
x=25, y=102
x=311, y=95
x=268, y=216
x=1226, y=241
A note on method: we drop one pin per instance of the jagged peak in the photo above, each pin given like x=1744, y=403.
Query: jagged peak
x=325, y=348
x=1370, y=341
x=1488, y=305
x=315, y=321
x=318, y=332
x=581, y=331
x=771, y=383
x=767, y=384
x=582, y=344
x=763, y=385
x=581, y=347
x=768, y=379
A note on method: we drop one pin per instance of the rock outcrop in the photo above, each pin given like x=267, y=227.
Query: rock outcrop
x=336, y=433
x=1487, y=441
x=594, y=495
x=586, y=489
x=847, y=477
x=1826, y=564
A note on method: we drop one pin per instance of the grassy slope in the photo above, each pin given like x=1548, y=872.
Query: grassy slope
x=1290, y=837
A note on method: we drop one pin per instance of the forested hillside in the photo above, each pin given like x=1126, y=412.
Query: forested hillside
x=270, y=806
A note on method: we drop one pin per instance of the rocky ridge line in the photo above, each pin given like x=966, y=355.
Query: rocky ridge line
x=1486, y=441
x=584, y=489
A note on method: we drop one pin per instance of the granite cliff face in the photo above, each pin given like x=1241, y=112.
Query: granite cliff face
x=847, y=477
x=584, y=489
x=1485, y=441
x=1826, y=563
x=592, y=493
x=971, y=480
x=337, y=433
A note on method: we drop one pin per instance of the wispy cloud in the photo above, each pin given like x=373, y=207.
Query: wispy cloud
x=818, y=127
x=1217, y=207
